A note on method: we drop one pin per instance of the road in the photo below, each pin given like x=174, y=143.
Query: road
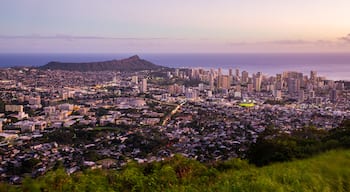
x=174, y=111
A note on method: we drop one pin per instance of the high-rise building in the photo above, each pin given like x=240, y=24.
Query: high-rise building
x=293, y=86
x=340, y=86
x=311, y=94
x=175, y=89
x=279, y=82
x=245, y=76
x=230, y=72
x=219, y=72
x=237, y=73
x=279, y=85
x=313, y=76
x=250, y=87
x=135, y=79
x=211, y=82
x=301, y=96
x=277, y=94
x=330, y=84
x=270, y=87
x=292, y=74
x=144, y=85
x=212, y=71
x=177, y=72
x=224, y=82
x=333, y=96
x=195, y=73
x=303, y=81
x=257, y=82
x=238, y=88
x=201, y=87
x=191, y=93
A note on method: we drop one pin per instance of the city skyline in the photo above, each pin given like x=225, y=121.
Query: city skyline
x=173, y=27
x=156, y=95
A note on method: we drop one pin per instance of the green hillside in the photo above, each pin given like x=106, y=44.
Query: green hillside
x=329, y=171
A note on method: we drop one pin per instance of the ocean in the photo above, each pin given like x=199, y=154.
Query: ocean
x=335, y=66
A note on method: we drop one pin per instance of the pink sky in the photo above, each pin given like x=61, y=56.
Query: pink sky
x=175, y=26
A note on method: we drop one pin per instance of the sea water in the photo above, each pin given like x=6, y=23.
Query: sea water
x=335, y=66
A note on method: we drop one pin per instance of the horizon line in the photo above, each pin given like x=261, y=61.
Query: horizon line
x=182, y=53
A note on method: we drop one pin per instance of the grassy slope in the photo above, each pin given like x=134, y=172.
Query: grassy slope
x=327, y=172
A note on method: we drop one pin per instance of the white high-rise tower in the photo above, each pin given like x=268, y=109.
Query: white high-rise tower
x=144, y=85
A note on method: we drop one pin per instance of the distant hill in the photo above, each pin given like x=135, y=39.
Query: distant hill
x=133, y=63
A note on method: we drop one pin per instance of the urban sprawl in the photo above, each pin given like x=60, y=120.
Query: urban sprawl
x=89, y=120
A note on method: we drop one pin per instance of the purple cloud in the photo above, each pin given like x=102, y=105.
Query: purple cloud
x=345, y=39
x=72, y=37
x=291, y=42
x=278, y=42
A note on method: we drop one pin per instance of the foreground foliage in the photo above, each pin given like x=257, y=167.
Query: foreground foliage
x=275, y=146
x=326, y=172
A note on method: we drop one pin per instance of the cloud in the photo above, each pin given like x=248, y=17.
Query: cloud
x=72, y=37
x=291, y=42
x=232, y=44
x=85, y=43
x=286, y=42
x=346, y=38
x=282, y=42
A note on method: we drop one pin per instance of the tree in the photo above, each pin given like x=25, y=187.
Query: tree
x=101, y=112
x=2, y=106
x=29, y=165
x=268, y=150
x=29, y=185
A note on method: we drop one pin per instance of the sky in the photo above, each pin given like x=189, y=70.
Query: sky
x=181, y=26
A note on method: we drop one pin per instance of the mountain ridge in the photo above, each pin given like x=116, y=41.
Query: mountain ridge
x=133, y=63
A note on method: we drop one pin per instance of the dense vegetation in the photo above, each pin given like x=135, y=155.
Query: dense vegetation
x=274, y=146
x=326, y=172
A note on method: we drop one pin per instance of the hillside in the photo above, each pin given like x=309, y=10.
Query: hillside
x=325, y=172
x=133, y=63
